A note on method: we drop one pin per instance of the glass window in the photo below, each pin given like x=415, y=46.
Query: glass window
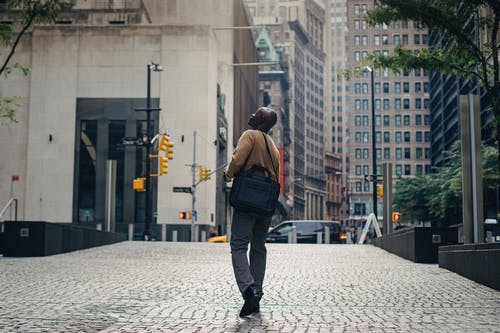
x=377, y=104
x=386, y=87
x=405, y=39
x=399, y=170
x=387, y=120
x=398, y=136
x=397, y=103
x=386, y=104
x=406, y=103
x=378, y=120
x=387, y=137
x=418, y=103
x=387, y=153
x=418, y=136
x=377, y=88
x=406, y=120
x=376, y=40
x=407, y=153
x=87, y=174
x=378, y=137
x=407, y=169
x=406, y=87
x=397, y=120
x=397, y=87
x=418, y=87
x=418, y=120
x=378, y=153
x=407, y=136
x=399, y=154
x=416, y=39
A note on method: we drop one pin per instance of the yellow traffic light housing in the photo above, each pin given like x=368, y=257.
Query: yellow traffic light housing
x=396, y=217
x=162, y=165
x=380, y=191
x=167, y=146
x=204, y=174
x=139, y=184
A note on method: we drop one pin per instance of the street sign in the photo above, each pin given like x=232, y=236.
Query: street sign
x=182, y=189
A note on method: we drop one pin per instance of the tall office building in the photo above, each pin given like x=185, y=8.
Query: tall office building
x=402, y=119
x=297, y=26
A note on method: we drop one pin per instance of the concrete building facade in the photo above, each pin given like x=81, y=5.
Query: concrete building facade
x=89, y=74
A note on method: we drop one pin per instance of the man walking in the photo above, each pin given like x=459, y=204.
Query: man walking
x=251, y=228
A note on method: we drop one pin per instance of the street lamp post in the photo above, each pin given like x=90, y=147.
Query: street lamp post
x=147, y=142
x=374, y=155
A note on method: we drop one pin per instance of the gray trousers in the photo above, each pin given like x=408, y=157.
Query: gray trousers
x=247, y=229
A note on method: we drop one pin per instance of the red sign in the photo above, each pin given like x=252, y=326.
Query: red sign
x=15, y=178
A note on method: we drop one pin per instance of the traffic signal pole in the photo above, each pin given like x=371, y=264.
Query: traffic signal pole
x=193, y=189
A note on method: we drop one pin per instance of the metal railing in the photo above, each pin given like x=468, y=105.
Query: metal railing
x=4, y=209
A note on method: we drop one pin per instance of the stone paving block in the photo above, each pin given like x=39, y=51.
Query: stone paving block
x=189, y=287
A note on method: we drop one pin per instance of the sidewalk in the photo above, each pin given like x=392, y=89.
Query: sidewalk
x=189, y=287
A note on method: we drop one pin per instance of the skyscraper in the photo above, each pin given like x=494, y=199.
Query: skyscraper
x=297, y=26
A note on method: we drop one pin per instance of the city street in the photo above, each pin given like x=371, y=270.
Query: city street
x=190, y=287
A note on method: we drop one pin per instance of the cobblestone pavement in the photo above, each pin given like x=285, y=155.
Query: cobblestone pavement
x=189, y=287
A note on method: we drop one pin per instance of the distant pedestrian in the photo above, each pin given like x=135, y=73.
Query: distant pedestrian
x=250, y=227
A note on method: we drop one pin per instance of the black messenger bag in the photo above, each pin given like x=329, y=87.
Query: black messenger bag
x=255, y=191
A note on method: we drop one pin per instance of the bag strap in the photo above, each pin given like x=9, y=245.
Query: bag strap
x=270, y=157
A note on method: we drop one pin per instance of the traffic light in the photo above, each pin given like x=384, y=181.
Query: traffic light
x=396, y=217
x=204, y=173
x=185, y=215
x=162, y=165
x=139, y=185
x=380, y=192
x=163, y=144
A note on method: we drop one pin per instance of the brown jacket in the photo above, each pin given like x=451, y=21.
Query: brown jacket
x=251, y=145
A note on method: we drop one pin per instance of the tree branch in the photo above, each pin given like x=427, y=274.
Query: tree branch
x=16, y=42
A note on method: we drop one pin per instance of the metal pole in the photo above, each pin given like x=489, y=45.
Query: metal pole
x=193, y=188
x=374, y=155
x=147, y=222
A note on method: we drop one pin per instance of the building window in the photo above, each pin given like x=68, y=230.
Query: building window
x=399, y=170
x=399, y=154
x=387, y=153
x=386, y=87
x=387, y=120
x=406, y=87
x=397, y=120
x=397, y=103
x=397, y=87
x=386, y=104
x=406, y=120
x=418, y=103
x=418, y=87
x=387, y=137
x=398, y=136
x=418, y=120
x=406, y=103
x=418, y=136
x=407, y=136
x=416, y=39
x=378, y=120
x=376, y=40
x=407, y=153
x=407, y=170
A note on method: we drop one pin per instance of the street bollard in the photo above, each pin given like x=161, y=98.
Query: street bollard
x=163, y=232
x=327, y=235
x=289, y=239
x=196, y=233
x=294, y=234
x=174, y=236
x=203, y=236
x=228, y=234
x=131, y=232
x=319, y=237
x=98, y=226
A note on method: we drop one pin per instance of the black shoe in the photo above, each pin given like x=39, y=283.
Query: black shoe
x=256, y=309
x=251, y=301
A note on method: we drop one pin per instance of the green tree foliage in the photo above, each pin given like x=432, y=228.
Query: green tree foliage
x=462, y=54
x=26, y=14
x=428, y=197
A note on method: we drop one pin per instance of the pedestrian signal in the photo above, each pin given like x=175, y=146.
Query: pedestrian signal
x=396, y=217
x=139, y=184
x=163, y=165
x=185, y=215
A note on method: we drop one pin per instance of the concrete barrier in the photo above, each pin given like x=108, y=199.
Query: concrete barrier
x=416, y=243
x=31, y=239
x=478, y=262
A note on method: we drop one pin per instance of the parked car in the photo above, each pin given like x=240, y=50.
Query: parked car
x=307, y=231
